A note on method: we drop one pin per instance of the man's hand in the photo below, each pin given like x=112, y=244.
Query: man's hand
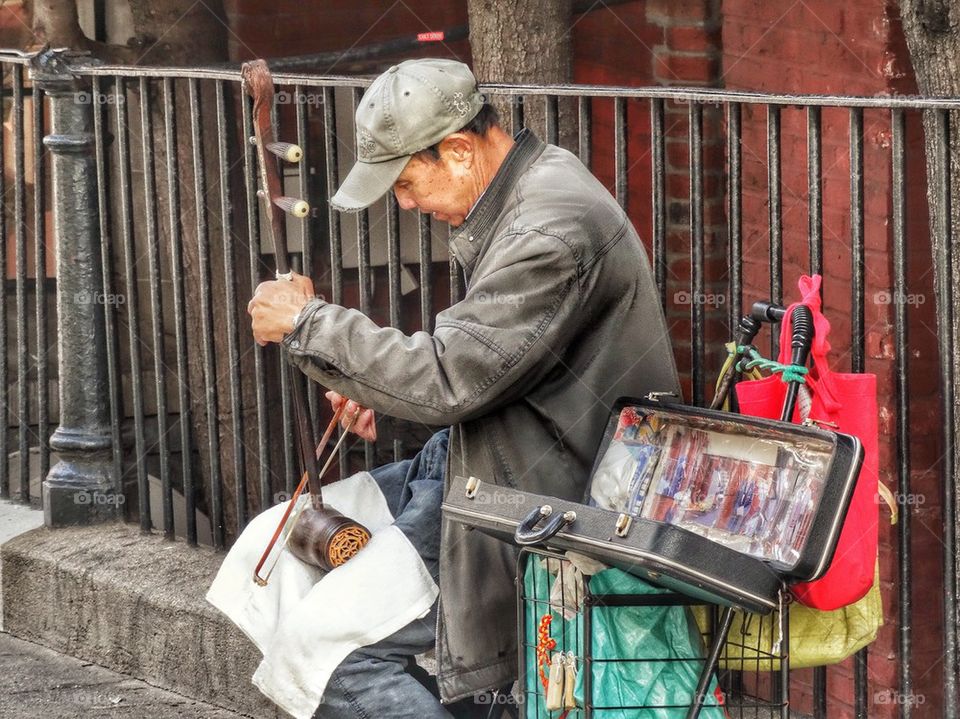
x=275, y=304
x=366, y=425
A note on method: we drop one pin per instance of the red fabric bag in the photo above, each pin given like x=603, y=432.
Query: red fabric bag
x=849, y=401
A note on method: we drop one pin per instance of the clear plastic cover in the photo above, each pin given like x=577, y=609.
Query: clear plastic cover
x=751, y=490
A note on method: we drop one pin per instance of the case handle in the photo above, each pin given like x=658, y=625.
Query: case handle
x=527, y=532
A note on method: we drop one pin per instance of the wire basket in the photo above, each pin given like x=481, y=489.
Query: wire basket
x=635, y=651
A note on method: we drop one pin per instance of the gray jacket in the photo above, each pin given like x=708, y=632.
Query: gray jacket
x=561, y=317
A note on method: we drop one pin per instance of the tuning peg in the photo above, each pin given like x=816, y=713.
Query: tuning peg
x=286, y=151
x=297, y=208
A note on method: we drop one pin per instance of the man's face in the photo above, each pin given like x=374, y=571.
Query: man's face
x=444, y=188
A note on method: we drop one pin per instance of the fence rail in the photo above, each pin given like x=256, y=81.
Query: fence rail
x=732, y=191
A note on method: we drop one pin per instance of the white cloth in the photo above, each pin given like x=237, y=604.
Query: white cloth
x=304, y=622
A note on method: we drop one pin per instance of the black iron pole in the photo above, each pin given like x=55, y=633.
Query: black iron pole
x=81, y=487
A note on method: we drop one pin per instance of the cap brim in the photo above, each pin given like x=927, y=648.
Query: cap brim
x=366, y=183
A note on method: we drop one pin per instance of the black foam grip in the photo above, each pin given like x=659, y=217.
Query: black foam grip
x=802, y=335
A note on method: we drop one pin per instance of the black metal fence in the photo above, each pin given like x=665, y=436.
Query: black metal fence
x=169, y=413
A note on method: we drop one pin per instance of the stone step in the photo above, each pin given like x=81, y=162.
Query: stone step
x=133, y=603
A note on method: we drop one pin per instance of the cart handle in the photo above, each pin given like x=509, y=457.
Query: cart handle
x=527, y=532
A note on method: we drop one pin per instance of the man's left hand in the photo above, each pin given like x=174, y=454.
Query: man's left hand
x=275, y=304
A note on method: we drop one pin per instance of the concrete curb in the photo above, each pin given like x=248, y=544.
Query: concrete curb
x=132, y=602
x=15, y=519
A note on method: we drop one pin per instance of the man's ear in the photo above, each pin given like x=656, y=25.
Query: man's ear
x=458, y=147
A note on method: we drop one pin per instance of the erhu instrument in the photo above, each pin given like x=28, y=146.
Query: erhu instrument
x=316, y=534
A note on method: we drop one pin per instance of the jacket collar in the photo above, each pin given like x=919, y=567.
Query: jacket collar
x=469, y=240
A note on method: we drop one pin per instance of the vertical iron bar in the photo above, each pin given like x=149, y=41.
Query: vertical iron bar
x=815, y=189
x=426, y=280
x=20, y=238
x=776, y=214
x=230, y=297
x=783, y=687
x=659, y=210
x=584, y=109
x=455, y=288
x=253, y=233
x=333, y=217
x=516, y=113
x=552, y=112
x=206, y=318
x=734, y=211
x=180, y=319
x=946, y=347
x=330, y=140
x=365, y=272
x=106, y=261
x=856, y=236
x=393, y=280
x=857, y=333
x=819, y=692
x=306, y=231
x=620, y=149
x=697, y=293
x=156, y=302
x=901, y=334
x=40, y=265
x=291, y=466
x=815, y=231
x=131, y=301
x=5, y=417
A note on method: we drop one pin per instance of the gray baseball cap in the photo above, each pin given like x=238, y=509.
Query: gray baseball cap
x=410, y=107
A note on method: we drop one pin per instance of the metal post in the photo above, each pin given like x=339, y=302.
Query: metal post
x=80, y=488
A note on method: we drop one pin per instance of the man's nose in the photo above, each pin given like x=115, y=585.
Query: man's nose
x=404, y=199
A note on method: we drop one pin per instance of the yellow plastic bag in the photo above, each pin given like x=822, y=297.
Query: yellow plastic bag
x=816, y=638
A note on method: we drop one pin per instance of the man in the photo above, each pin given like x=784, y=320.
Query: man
x=561, y=316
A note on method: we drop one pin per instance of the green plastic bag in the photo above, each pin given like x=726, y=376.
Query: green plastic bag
x=817, y=638
x=664, y=638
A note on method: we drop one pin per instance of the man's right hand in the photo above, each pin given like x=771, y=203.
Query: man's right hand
x=365, y=426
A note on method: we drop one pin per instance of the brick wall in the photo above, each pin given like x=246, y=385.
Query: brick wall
x=278, y=28
x=654, y=42
x=824, y=47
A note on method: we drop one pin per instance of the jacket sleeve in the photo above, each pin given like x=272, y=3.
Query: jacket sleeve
x=507, y=333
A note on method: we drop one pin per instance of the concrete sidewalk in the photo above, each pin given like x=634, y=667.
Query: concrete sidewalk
x=39, y=683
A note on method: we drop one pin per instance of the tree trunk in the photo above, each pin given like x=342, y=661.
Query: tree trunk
x=932, y=30
x=525, y=41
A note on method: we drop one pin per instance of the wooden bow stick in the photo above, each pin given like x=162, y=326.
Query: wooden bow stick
x=262, y=581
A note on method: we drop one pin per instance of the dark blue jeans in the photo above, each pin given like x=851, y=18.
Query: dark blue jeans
x=373, y=682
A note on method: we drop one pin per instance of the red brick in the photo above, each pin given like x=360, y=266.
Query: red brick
x=692, y=39
x=682, y=12
x=675, y=69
